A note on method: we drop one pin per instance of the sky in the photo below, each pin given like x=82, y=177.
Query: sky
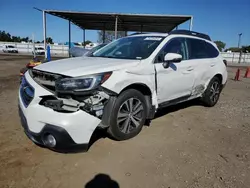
x=221, y=19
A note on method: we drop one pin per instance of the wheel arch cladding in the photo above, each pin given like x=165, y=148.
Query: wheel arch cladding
x=145, y=90
x=219, y=76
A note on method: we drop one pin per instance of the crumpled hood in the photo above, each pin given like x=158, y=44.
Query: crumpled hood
x=81, y=66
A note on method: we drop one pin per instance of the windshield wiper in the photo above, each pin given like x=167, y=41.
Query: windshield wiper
x=105, y=56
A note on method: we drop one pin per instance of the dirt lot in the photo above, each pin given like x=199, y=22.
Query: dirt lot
x=185, y=146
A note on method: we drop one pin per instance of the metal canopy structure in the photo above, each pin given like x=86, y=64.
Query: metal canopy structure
x=117, y=22
x=125, y=22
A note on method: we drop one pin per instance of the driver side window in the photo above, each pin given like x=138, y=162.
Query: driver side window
x=176, y=45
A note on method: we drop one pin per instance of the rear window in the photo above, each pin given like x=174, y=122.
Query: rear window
x=200, y=49
x=211, y=50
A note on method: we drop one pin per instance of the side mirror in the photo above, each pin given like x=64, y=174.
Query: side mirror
x=171, y=58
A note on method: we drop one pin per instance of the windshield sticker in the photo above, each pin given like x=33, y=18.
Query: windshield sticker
x=153, y=38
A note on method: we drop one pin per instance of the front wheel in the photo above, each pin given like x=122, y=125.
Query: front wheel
x=212, y=93
x=128, y=115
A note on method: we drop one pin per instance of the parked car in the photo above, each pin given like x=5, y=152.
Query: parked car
x=10, y=49
x=78, y=51
x=119, y=87
x=39, y=51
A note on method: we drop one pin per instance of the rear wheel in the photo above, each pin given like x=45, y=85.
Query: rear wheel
x=128, y=115
x=212, y=93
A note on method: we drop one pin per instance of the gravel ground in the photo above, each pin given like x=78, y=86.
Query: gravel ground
x=187, y=146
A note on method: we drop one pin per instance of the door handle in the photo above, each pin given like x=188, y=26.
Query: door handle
x=212, y=64
x=190, y=68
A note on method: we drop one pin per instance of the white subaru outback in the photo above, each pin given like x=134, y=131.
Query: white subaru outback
x=119, y=87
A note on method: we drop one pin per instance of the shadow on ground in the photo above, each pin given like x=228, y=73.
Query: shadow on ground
x=177, y=107
x=102, y=133
x=102, y=181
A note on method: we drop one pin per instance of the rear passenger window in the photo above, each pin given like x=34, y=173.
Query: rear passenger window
x=211, y=50
x=197, y=49
x=200, y=49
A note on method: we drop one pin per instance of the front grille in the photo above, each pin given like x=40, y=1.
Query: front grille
x=45, y=79
x=26, y=92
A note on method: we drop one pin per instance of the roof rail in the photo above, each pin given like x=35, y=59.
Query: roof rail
x=136, y=33
x=191, y=33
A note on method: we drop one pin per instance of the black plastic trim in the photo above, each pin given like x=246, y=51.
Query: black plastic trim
x=107, y=111
x=190, y=33
x=171, y=102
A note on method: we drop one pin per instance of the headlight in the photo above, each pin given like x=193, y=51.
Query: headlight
x=82, y=83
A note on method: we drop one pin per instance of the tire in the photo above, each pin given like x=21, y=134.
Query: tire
x=212, y=93
x=126, y=123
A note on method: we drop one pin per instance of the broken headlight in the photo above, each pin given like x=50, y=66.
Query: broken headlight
x=82, y=83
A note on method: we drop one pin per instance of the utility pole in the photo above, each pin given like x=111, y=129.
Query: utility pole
x=33, y=45
x=239, y=40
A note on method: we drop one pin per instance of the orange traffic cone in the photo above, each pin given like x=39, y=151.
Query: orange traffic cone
x=247, y=75
x=237, y=75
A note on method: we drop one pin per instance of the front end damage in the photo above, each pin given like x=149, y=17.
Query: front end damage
x=61, y=120
x=93, y=103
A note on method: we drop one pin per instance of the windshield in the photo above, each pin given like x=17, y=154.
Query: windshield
x=136, y=47
x=11, y=47
x=40, y=48
x=97, y=47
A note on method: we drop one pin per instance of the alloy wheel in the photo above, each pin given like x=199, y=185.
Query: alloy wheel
x=130, y=115
x=215, y=92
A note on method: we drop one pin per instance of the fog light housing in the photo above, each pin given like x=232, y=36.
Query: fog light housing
x=49, y=140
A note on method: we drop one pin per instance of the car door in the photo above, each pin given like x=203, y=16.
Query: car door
x=177, y=81
x=202, y=55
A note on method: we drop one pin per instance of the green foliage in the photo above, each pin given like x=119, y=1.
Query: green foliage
x=49, y=40
x=221, y=45
x=109, y=36
x=244, y=49
x=233, y=49
x=6, y=37
x=86, y=42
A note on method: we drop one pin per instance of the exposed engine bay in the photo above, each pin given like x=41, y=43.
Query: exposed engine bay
x=92, y=104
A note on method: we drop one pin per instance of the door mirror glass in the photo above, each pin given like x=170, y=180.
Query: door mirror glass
x=171, y=58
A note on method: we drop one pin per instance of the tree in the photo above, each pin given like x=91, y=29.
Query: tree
x=86, y=42
x=246, y=49
x=109, y=35
x=233, y=49
x=5, y=36
x=26, y=39
x=221, y=45
x=48, y=40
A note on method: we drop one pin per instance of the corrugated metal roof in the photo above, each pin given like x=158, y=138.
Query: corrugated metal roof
x=126, y=22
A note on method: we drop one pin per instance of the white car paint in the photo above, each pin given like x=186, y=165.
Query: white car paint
x=39, y=51
x=37, y=116
x=180, y=79
x=10, y=49
x=80, y=66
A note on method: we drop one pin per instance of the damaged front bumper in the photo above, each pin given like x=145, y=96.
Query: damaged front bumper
x=71, y=122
